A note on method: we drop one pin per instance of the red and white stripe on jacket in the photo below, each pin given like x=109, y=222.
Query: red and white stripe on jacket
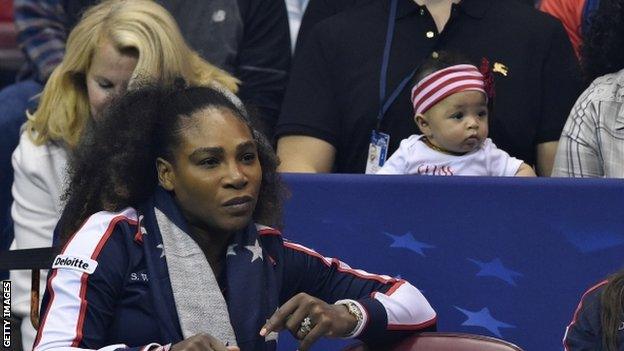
x=68, y=288
x=405, y=305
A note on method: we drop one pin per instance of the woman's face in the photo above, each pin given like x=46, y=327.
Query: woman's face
x=216, y=172
x=108, y=75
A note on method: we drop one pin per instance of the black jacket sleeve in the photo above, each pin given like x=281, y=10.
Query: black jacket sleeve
x=263, y=59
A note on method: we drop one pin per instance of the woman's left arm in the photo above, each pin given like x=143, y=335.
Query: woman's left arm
x=370, y=307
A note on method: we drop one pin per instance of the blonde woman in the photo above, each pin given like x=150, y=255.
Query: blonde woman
x=116, y=44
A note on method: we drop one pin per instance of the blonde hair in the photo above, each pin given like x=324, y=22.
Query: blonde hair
x=140, y=26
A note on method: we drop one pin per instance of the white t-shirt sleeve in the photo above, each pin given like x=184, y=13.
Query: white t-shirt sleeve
x=397, y=163
x=500, y=163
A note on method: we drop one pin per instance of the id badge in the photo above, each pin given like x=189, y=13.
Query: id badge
x=377, y=151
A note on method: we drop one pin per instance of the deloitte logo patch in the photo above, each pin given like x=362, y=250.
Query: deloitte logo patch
x=81, y=264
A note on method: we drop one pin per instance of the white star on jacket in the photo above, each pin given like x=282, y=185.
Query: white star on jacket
x=256, y=251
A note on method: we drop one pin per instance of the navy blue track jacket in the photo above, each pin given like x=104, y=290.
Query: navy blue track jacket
x=104, y=291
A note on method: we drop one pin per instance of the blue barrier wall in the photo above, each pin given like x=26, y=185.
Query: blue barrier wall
x=496, y=256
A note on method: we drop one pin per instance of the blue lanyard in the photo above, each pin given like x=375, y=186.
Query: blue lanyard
x=384, y=104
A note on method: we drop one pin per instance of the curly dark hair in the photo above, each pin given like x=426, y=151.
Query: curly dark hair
x=114, y=165
x=601, y=51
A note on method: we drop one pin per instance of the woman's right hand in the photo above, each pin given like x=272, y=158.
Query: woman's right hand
x=202, y=342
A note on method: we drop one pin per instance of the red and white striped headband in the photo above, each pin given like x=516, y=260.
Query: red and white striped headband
x=440, y=84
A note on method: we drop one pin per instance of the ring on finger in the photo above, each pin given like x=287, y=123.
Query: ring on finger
x=306, y=326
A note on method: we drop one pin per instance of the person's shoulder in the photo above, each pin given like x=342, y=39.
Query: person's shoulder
x=488, y=144
x=409, y=147
x=104, y=244
x=266, y=231
x=586, y=320
x=349, y=20
x=270, y=238
x=489, y=149
x=27, y=153
x=330, y=8
x=588, y=310
x=411, y=142
x=595, y=290
x=606, y=87
x=590, y=300
x=526, y=17
x=27, y=144
x=96, y=231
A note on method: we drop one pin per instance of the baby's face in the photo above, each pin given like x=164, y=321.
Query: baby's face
x=459, y=123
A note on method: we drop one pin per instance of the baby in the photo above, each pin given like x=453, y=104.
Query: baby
x=451, y=110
